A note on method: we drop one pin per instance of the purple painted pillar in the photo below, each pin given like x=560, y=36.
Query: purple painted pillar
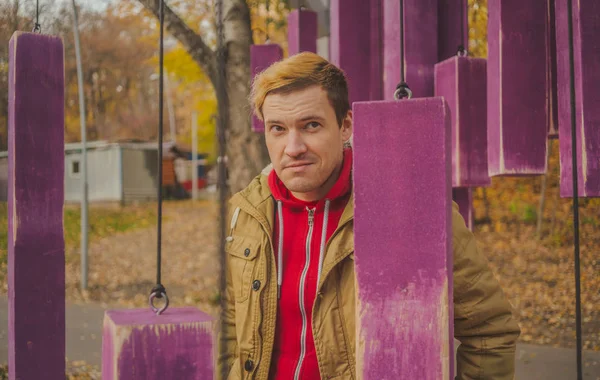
x=463, y=196
x=302, y=31
x=139, y=345
x=36, y=247
x=586, y=32
x=551, y=74
x=452, y=27
x=517, y=119
x=261, y=57
x=349, y=44
x=376, y=51
x=462, y=82
x=403, y=254
x=420, y=46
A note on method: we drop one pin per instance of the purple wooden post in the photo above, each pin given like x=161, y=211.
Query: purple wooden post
x=36, y=247
x=452, y=27
x=376, y=51
x=462, y=82
x=403, y=254
x=261, y=57
x=302, y=31
x=586, y=29
x=420, y=45
x=517, y=119
x=139, y=345
x=551, y=74
x=349, y=40
x=463, y=196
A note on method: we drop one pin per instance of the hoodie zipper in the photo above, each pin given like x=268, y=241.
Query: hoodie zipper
x=311, y=220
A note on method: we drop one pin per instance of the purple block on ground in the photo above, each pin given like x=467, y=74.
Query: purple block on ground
x=403, y=254
x=261, y=57
x=462, y=83
x=420, y=46
x=516, y=86
x=302, y=31
x=463, y=196
x=452, y=27
x=139, y=345
x=350, y=44
x=36, y=247
x=586, y=34
x=551, y=75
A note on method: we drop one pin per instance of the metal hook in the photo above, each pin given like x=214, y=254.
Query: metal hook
x=158, y=295
x=402, y=91
x=37, y=28
x=462, y=52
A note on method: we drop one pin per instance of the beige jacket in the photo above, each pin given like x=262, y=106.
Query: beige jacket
x=483, y=321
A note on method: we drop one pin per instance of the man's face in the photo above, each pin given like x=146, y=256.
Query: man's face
x=304, y=140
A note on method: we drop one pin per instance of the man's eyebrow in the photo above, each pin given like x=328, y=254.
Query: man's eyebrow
x=305, y=118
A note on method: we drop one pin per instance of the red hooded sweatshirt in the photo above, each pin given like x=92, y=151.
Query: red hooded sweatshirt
x=302, y=249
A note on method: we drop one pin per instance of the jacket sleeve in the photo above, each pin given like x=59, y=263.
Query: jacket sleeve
x=483, y=319
x=227, y=338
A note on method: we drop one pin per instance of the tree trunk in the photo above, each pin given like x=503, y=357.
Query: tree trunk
x=246, y=151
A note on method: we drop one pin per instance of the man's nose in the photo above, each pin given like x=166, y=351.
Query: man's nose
x=295, y=145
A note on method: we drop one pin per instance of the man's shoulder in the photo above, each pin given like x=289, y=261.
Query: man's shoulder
x=257, y=190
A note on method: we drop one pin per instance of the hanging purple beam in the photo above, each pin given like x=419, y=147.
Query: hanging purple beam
x=376, y=52
x=462, y=82
x=261, y=57
x=516, y=83
x=403, y=268
x=302, y=31
x=420, y=46
x=36, y=247
x=139, y=345
x=551, y=74
x=586, y=31
x=452, y=27
x=463, y=196
x=349, y=44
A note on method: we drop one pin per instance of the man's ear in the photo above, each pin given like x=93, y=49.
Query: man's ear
x=347, y=126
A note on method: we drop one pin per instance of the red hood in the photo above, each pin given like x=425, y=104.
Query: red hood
x=339, y=189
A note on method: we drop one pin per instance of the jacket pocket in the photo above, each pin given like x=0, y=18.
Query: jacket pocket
x=242, y=252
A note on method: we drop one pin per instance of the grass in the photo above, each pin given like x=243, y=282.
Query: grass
x=104, y=221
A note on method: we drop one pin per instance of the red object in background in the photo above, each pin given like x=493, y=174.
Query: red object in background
x=187, y=185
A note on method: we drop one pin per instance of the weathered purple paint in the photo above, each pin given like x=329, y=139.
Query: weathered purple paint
x=36, y=247
x=261, y=57
x=586, y=31
x=516, y=73
x=349, y=42
x=462, y=82
x=403, y=255
x=137, y=344
x=463, y=196
x=551, y=74
x=302, y=31
x=452, y=27
x=420, y=46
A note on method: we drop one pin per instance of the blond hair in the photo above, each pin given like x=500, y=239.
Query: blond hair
x=299, y=72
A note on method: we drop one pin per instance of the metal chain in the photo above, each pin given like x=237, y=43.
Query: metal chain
x=402, y=90
x=37, y=28
x=159, y=290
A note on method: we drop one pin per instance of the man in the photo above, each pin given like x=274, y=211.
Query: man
x=290, y=268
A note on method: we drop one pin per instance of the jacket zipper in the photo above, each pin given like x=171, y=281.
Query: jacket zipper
x=311, y=219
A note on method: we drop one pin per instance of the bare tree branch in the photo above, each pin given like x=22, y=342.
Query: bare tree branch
x=192, y=42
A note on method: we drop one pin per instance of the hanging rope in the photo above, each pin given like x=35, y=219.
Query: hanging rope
x=575, y=194
x=462, y=51
x=402, y=90
x=37, y=28
x=222, y=102
x=159, y=290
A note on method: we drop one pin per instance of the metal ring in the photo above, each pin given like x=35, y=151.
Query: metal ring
x=462, y=52
x=154, y=308
x=400, y=90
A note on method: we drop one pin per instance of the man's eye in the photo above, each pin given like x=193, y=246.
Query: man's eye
x=313, y=125
x=276, y=128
